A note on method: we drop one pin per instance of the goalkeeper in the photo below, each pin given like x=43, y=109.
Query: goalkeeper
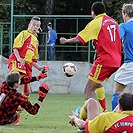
x=13, y=99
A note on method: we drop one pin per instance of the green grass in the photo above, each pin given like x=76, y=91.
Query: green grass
x=52, y=116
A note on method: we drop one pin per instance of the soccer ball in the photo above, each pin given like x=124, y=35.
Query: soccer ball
x=69, y=69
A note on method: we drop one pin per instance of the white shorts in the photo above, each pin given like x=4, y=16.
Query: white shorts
x=124, y=74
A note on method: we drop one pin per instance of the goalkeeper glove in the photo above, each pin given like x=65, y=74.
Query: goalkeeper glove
x=25, y=80
x=43, y=74
x=42, y=91
x=46, y=69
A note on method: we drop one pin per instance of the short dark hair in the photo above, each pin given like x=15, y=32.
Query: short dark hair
x=126, y=101
x=98, y=8
x=36, y=18
x=12, y=78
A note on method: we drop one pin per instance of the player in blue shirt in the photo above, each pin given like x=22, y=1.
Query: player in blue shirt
x=52, y=36
x=124, y=74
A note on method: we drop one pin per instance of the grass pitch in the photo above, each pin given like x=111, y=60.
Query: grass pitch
x=52, y=116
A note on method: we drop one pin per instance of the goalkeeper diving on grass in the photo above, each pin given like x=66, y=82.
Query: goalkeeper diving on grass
x=9, y=105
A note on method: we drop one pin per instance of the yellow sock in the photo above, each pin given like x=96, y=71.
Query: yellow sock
x=83, y=113
x=100, y=93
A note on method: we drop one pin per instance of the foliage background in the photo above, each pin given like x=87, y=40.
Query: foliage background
x=58, y=7
x=55, y=7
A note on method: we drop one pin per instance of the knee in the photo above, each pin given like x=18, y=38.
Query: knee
x=91, y=102
x=27, y=94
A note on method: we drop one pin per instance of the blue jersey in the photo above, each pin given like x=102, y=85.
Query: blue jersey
x=126, y=34
x=52, y=36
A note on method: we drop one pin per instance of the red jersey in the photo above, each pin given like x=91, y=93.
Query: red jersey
x=13, y=99
x=111, y=122
x=27, y=45
x=105, y=32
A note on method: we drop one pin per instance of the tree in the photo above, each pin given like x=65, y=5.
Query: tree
x=53, y=7
x=114, y=8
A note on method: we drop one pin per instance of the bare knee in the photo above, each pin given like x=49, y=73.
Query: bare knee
x=91, y=102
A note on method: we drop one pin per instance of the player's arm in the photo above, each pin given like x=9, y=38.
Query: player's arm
x=41, y=67
x=16, y=52
x=122, y=30
x=33, y=109
x=75, y=121
x=18, y=43
x=70, y=41
x=38, y=67
x=42, y=75
x=48, y=37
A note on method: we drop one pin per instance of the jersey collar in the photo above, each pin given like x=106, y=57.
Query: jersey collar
x=127, y=112
x=30, y=31
x=100, y=15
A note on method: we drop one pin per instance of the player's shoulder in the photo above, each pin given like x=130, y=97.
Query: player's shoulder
x=23, y=32
x=108, y=114
x=126, y=25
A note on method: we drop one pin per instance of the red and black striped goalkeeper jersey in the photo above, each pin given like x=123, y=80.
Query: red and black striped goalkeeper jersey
x=11, y=102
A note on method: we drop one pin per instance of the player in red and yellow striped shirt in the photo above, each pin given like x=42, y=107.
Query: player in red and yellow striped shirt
x=105, y=33
x=25, y=52
x=118, y=121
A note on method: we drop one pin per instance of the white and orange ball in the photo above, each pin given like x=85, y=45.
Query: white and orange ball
x=69, y=69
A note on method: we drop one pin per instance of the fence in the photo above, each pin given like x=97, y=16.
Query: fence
x=65, y=25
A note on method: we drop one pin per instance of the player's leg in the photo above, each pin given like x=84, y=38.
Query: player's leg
x=92, y=108
x=100, y=93
x=26, y=87
x=26, y=90
x=14, y=66
x=123, y=77
x=96, y=77
x=89, y=93
x=117, y=90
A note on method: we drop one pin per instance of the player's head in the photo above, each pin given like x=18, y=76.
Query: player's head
x=126, y=101
x=127, y=12
x=34, y=24
x=97, y=8
x=13, y=80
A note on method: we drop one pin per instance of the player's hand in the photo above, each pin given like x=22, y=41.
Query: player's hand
x=71, y=121
x=42, y=91
x=21, y=61
x=43, y=74
x=63, y=40
x=45, y=69
x=72, y=117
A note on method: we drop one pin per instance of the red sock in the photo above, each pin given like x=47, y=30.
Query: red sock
x=26, y=89
x=103, y=104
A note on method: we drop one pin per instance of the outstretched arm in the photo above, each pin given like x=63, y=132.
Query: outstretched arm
x=37, y=66
x=33, y=109
x=70, y=41
x=42, y=75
